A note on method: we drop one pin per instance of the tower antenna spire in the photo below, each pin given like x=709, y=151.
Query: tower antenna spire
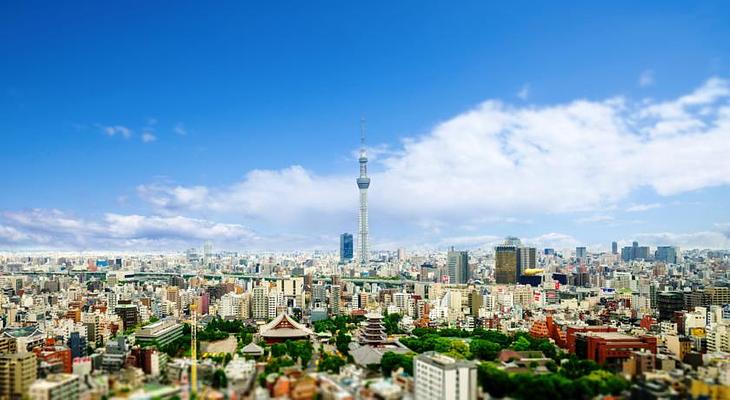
x=362, y=132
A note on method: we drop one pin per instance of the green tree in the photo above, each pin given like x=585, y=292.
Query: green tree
x=575, y=368
x=521, y=344
x=392, y=361
x=390, y=321
x=494, y=381
x=484, y=349
x=459, y=349
x=343, y=341
x=331, y=363
x=275, y=364
x=278, y=349
x=305, y=353
x=219, y=379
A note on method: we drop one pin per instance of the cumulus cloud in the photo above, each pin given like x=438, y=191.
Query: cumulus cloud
x=57, y=229
x=117, y=130
x=284, y=196
x=553, y=240
x=499, y=159
x=493, y=161
x=691, y=240
x=180, y=129
x=148, y=137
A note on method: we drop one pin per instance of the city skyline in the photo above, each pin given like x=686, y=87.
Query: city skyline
x=141, y=149
x=374, y=200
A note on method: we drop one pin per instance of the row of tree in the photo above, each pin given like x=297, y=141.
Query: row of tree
x=295, y=349
x=340, y=323
x=484, y=344
x=499, y=383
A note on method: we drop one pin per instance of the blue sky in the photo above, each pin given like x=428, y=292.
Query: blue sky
x=143, y=126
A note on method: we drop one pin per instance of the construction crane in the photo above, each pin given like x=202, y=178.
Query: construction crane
x=193, y=350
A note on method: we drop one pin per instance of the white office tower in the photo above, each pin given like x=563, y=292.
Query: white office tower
x=363, y=183
x=260, y=306
x=230, y=306
x=438, y=377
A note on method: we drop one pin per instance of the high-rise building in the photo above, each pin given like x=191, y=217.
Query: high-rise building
x=111, y=300
x=17, y=372
x=346, y=248
x=505, y=264
x=439, y=377
x=668, y=303
x=208, y=251
x=335, y=299
x=635, y=252
x=275, y=301
x=581, y=253
x=8, y=345
x=458, y=264
x=363, y=298
x=614, y=248
x=128, y=313
x=319, y=294
x=526, y=259
x=363, y=183
x=475, y=302
x=77, y=344
x=667, y=254
x=260, y=303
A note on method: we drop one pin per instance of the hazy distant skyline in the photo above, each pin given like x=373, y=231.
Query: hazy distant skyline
x=151, y=128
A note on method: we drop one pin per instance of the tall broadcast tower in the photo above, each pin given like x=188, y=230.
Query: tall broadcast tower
x=363, y=182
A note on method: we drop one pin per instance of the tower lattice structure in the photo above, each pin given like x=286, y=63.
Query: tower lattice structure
x=363, y=183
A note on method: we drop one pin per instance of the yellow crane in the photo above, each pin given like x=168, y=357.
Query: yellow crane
x=193, y=350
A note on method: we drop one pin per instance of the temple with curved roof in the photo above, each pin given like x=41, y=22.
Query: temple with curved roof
x=283, y=328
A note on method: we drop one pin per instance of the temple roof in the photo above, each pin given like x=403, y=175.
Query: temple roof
x=22, y=332
x=252, y=348
x=284, y=326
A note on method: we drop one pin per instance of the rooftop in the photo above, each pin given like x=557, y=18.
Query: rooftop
x=442, y=361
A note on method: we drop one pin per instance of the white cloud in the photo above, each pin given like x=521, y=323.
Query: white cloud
x=692, y=240
x=646, y=78
x=117, y=130
x=498, y=159
x=284, y=196
x=594, y=219
x=56, y=229
x=180, y=129
x=524, y=92
x=643, y=207
x=489, y=163
x=469, y=242
x=148, y=137
x=8, y=233
x=553, y=240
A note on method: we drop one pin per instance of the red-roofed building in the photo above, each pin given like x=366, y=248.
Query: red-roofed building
x=55, y=355
x=611, y=348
